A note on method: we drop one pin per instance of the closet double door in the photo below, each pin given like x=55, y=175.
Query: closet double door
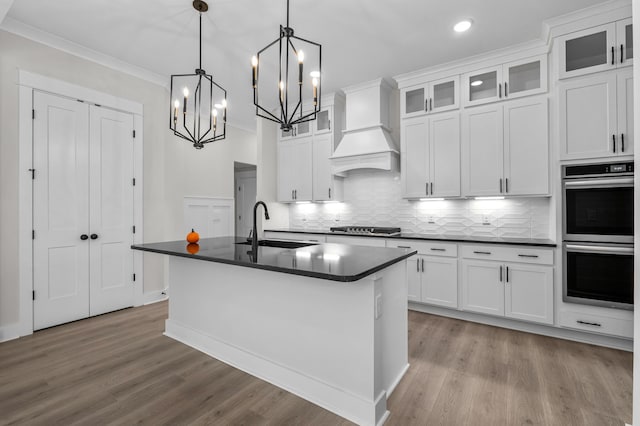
x=82, y=210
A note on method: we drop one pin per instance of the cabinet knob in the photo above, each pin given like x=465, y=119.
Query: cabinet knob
x=94, y=236
x=84, y=237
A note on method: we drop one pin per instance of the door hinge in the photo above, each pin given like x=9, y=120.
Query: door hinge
x=33, y=173
x=134, y=277
x=33, y=295
x=33, y=234
x=134, y=181
x=33, y=114
x=134, y=229
x=134, y=133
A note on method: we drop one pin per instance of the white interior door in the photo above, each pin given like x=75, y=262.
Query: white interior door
x=111, y=210
x=245, y=200
x=60, y=210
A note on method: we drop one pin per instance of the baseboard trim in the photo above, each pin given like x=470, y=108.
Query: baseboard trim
x=544, y=330
x=347, y=405
x=10, y=332
x=155, y=296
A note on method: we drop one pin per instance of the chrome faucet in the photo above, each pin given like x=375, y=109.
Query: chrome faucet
x=254, y=239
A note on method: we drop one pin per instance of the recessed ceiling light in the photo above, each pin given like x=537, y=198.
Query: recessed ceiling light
x=462, y=26
x=476, y=83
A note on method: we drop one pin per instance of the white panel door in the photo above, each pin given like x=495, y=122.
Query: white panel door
x=526, y=147
x=414, y=155
x=245, y=200
x=414, y=277
x=440, y=281
x=588, y=117
x=482, y=151
x=482, y=287
x=625, y=112
x=111, y=210
x=444, y=158
x=60, y=210
x=322, y=176
x=529, y=293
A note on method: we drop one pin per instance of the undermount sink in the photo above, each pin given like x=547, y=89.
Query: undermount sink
x=280, y=244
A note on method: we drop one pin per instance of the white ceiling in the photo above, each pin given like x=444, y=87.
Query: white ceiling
x=361, y=39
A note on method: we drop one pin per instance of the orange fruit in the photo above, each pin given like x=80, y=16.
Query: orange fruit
x=193, y=236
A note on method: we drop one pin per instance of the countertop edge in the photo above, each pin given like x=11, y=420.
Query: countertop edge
x=421, y=238
x=330, y=277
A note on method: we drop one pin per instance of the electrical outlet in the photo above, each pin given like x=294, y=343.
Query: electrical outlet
x=485, y=220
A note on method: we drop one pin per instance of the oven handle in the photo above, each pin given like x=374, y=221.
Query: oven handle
x=599, y=249
x=592, y=183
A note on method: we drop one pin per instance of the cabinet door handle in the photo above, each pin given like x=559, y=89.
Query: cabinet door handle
x=292, y=194
x=407, y=247
x=622, y=141
x=613, y=55
x=430, y=104
x=426, y=105
x=506, y=93
x=507, y=273
x=506, y=185
x=501, y=185
x=595, y=324
x=417, y=265
x=500, y=90
x=329, y=124
x=431, y=188
x=329, y=192
x=437, y=249
x=528, y=255
x=614, y=143
x=482, y=252
x=422, y=265
x=426, y=188
x=500, y=273
x=621, y=53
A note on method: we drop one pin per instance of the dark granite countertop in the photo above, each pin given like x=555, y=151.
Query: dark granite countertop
x=536, y=242
x=335, y=262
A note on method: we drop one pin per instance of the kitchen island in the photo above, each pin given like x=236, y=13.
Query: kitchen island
x=327, y=322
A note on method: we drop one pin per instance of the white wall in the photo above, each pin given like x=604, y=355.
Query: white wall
x=172, y=168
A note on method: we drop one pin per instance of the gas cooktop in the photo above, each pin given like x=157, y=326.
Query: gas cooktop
x=366, y=230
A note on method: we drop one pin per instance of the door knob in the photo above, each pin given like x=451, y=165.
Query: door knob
x=84, y=237
x=94, y=236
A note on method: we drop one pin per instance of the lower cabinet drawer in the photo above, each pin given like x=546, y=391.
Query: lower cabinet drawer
x=428, y=248
x=270, y=235
x=597, y=323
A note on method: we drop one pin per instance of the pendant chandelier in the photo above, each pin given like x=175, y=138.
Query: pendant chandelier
x=285, y=90
x=202, y=116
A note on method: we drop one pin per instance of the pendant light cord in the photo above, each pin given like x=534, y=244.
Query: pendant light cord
x=201, y=40
x=287, y=13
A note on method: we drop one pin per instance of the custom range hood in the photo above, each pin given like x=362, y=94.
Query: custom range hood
x=366, y=142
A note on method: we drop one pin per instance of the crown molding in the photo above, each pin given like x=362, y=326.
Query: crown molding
x=21, y=29
x=590, y=16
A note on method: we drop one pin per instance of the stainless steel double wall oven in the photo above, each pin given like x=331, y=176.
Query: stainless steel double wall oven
x=598, y=234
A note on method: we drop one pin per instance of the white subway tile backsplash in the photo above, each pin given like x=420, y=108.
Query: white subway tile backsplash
x=375, y=198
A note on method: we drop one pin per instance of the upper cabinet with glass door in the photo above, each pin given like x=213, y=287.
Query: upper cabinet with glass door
x=434, y=96
x=507, y=81
x=299, y=130
x=596, y=49
x=323, y=120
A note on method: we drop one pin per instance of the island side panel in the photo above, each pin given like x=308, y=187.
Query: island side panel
x=313, y=337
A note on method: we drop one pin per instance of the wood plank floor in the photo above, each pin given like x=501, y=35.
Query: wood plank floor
x=119, y=369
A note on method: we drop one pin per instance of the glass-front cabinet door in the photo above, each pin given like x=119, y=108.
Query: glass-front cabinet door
x=443, y=94
x=525, y=77
x=483, y=86
x=323, y=120
x=434, y=96
x=303, y=129
x=588, y=51
x=624, y=30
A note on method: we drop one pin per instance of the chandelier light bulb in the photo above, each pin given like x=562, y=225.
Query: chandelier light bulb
x=254, y=61
x=314, y=81
x=214, y=112
x=224, y=103
x=185, y=91
x=300, y=56
x=176, y=104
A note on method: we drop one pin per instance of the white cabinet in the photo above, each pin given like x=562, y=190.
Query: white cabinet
x=295, y=158
x=431, y=97
x=505, y=149
x=326, y=186
x=497, y=286
x=600, y=48
x=433, y=273
x=596, y=116
x=506, y=81
x=304, y=167
x=430, y=153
